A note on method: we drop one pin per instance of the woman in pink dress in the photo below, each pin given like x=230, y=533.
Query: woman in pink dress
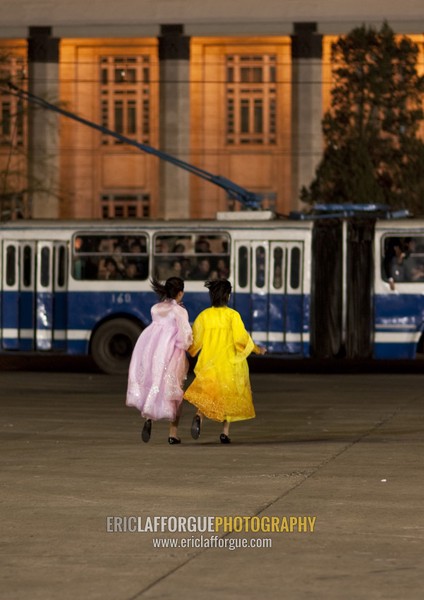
x=159, y=364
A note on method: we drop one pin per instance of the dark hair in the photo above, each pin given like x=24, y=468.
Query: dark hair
x=110, y=261
x=168, y=290
x=219, y=291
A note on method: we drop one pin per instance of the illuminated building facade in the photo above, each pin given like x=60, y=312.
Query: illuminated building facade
x=236, y=89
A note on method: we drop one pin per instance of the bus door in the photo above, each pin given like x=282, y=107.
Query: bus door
x=250, y=287
x=278, y=313
x=285, y=293
x=10, y=296
x=60, y=298
x=50, y=296
x=268, y=293
x=294, y=299
x=27, y=257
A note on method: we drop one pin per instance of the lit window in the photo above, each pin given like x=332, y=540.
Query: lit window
x=125, y=105
x=125, y=206
x=251, y=99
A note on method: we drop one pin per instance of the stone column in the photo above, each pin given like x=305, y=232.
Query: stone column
x=307, y=139
x=174, y=121
x=43, y=132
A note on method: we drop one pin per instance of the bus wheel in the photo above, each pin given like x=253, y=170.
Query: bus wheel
x=112, y=345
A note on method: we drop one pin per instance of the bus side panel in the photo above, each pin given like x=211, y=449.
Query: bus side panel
x=289, y=309
x=242, y=303
x=399, y=322
x=85, y=310
x=259, y=317
x=44, y=320
x=10, y=320
x=306, y=326
x=295, y=319
x=59, y=320
x=277, y=315
x=26, y=320
x=194, y=303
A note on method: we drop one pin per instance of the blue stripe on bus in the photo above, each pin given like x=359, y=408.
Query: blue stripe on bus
x=274, y=313
x=403, y=309
x=394, y=351
x=397, y=315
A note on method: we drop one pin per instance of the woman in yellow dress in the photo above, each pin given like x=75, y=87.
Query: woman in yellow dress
x=221, y=389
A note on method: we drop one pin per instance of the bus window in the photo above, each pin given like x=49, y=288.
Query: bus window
x=212, y=257
x=171, y=256
x=243, y=266
x=11, y=265
x=277, y=268
x=61, y=266
x=260, y=267
x=45, y=267
x=27, y=266
x=110, y=257
x=295, y=268
x=403, y=259
x=194, y=257
x=173, y=244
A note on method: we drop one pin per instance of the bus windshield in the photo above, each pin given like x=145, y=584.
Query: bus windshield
x=110, y=257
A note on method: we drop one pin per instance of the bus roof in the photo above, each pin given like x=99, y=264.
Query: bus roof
x=400, y=225
x=147, y=224
x=189, y=224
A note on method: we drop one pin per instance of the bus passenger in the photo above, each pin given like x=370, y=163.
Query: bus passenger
x=185, y=268
x=221, y=389
x=176, y=269
x=162, y=268
x=131, y=271
x=110, y=270
x=106, y=245
x=414, y=270
x=159, y=364
x=397, y=268
x=202, y=270
x=222, y=268
x=118, y=258
x=202, y=246
x=139, y=259
x=179, y=248
x=79, y=263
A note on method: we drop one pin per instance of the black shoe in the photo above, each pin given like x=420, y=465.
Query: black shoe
x=224, y=439
x=147, y=430
x=172, y=440
x=195, y=427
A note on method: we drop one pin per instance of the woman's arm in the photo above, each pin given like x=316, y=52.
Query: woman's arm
x=242, y=340
x=184, y=335
x=198, y=331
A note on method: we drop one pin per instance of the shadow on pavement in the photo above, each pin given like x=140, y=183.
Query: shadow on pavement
x=267, y=364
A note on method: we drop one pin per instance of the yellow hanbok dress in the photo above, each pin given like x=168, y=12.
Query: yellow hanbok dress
x=221, y=389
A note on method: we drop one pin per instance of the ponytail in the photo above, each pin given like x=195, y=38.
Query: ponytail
x=168, y=290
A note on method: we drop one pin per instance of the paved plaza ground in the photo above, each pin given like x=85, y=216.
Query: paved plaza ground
x=344, y=450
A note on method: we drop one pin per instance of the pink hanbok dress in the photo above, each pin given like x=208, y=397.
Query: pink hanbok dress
x=159, y=364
